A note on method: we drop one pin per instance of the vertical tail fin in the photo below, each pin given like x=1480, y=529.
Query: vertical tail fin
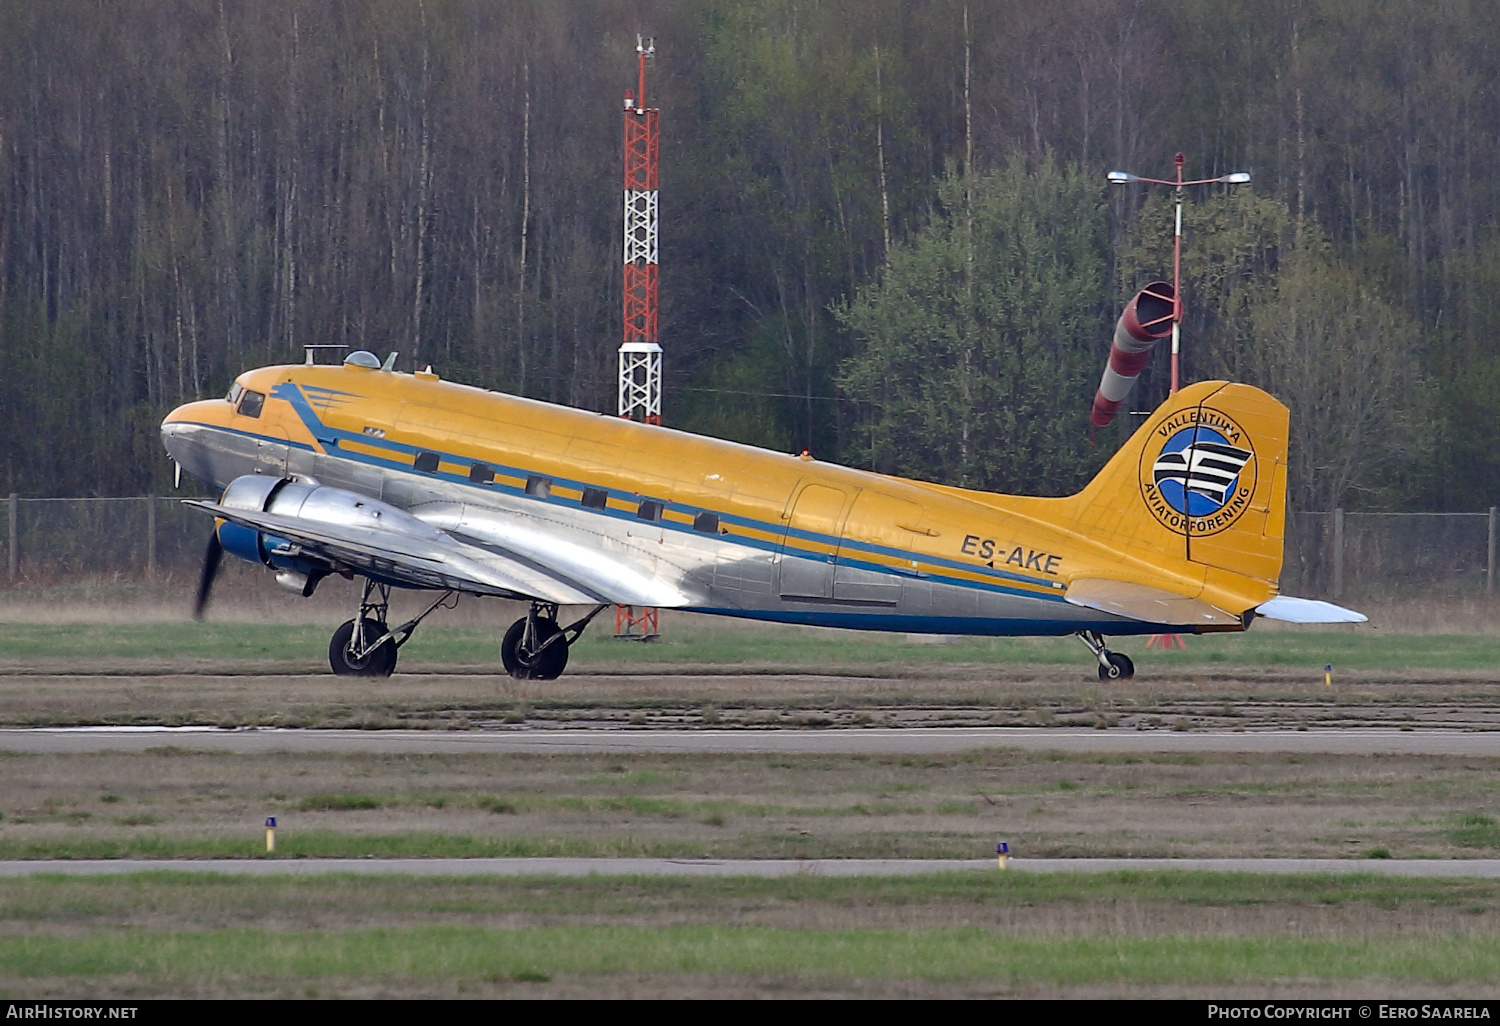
x=1203, y=480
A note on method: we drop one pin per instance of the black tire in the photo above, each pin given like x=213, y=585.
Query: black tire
x=379, y=663
x=548, y=666
x=1120, y=667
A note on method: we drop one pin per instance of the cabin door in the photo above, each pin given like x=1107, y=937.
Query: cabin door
x=810, y=543
x=270, y=452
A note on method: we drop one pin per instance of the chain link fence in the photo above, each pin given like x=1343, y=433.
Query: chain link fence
x=56, y=540
x=1389, y=555
x=1328, y=555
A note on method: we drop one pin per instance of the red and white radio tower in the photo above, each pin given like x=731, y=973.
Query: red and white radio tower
x=640, y=352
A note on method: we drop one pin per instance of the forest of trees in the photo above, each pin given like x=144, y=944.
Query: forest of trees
x=885, y=232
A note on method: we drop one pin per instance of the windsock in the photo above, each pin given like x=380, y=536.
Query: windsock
x=1147, y=317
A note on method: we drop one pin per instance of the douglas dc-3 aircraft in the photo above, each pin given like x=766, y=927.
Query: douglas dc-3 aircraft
x=411, y=482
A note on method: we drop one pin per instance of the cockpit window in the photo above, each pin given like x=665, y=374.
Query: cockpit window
x=251, y=403
x=234, y=393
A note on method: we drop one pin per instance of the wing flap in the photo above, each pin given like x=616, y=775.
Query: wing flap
x=1147, y=604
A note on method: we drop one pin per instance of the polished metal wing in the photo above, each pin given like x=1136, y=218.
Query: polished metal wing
x=421, y=557
x=563, y=552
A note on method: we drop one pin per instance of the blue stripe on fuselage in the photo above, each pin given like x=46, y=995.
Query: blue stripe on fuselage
x=320, y=431
x=997, y=627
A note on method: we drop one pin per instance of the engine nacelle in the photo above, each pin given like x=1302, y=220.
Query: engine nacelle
x=305, y=499
x=1146, y=320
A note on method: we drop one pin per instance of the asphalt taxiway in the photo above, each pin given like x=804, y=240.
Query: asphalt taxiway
x=860, y=741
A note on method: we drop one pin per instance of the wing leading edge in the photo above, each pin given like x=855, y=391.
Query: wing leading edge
x=433, y=558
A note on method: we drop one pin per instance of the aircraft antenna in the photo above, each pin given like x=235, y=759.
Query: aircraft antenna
x=640, y=352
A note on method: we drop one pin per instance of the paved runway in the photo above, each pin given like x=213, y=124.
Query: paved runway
x=739, y=867
x=915, y=741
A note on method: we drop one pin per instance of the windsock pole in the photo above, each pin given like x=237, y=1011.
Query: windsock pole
x=1132, y=348
x=1126, y=178
x=1177, y=279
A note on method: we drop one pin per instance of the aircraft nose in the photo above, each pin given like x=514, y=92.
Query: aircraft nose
x=185, y=436
x=173, y=436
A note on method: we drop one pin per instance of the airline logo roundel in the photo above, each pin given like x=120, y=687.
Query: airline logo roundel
x=1198, y=471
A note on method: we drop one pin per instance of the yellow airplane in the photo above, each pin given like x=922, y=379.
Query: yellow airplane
x=408, y=481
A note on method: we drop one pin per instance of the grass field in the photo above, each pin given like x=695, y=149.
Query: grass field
x=179, y=803
x=959, y=934
x=705, y=642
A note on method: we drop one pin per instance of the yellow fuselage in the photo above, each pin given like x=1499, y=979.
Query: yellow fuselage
x=868, y=549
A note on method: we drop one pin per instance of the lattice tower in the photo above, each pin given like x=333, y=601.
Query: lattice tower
x=640, y=351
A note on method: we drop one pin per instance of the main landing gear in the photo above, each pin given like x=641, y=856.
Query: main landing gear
x=535, y=647
x=1112, y=665
x=365, y=646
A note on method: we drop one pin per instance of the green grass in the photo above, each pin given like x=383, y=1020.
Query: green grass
x=331, y=844
x=80, y=898
x=934, y=954
x=766, y=841
x=168, y=929
x=702, y=643
x=1475, y=831
x=339, y=802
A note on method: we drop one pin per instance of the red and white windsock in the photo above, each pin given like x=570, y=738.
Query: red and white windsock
x=1147, y=318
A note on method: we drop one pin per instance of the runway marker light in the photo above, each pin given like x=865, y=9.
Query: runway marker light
x=270, y=833
x=1328, y=675
x=1002, y=852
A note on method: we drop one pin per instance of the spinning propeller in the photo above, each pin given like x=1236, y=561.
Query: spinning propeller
x=211, y=557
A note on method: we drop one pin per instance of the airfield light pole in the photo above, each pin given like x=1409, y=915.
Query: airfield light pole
x=1125, y=178
x=640, y=352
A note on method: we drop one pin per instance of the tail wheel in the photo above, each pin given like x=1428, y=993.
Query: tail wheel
x=547, y=664
x=379, y=663
x=1120, y=667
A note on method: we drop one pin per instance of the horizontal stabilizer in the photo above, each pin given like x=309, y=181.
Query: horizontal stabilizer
x=1301, y=610
x=1147, y=604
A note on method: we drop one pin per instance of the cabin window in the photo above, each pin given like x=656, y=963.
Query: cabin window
x=594, y=498
x=649, y=509
x=481, y=473
x=251, y=403
x=708, y=523
x=426, y=463
x=541, y=487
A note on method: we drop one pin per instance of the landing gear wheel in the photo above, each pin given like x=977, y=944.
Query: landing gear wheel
x=546, y=665
x=379, y=663
x=1120, y=667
